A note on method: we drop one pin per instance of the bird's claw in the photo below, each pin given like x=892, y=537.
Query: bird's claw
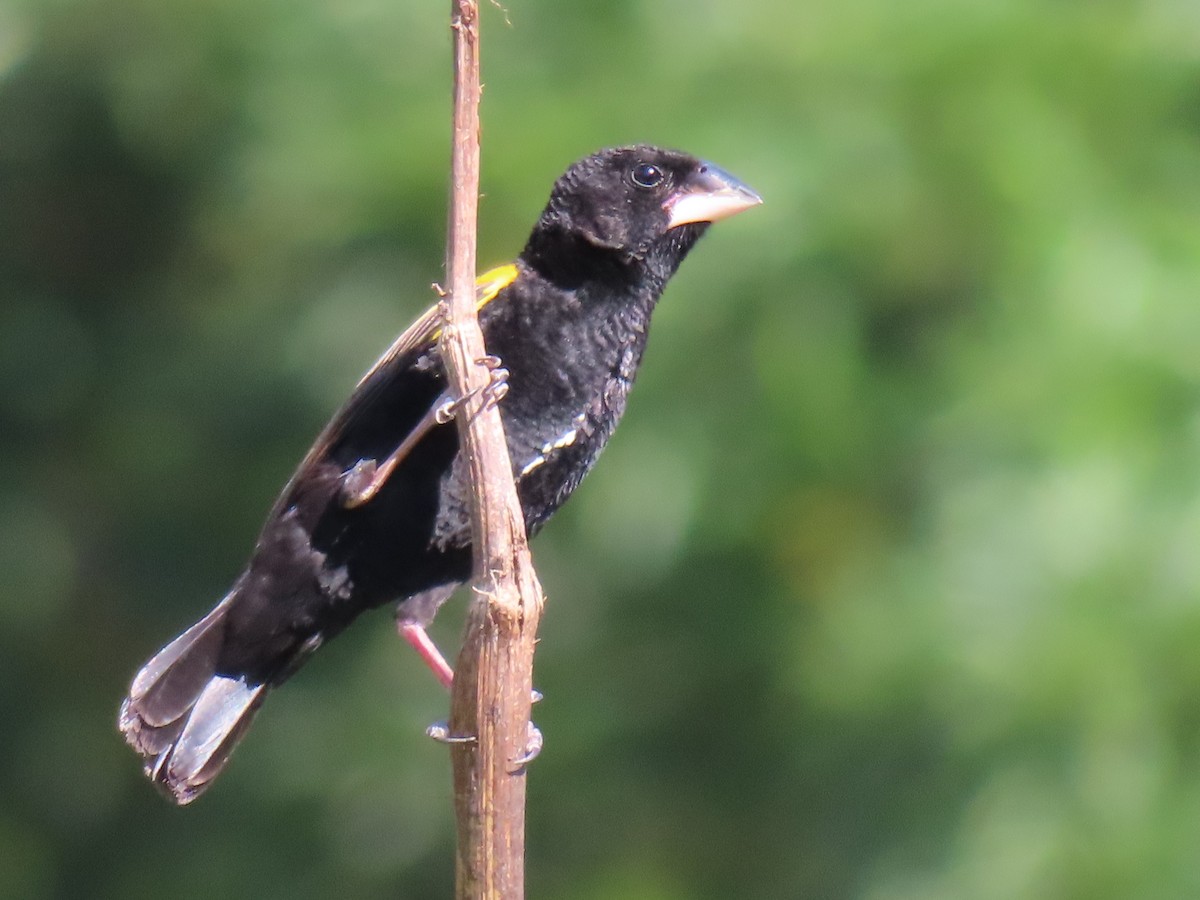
x=497, y=387
x=533, y=747
x=534, y=741
x=440, y=732
x=359, y=484
x=491, y=393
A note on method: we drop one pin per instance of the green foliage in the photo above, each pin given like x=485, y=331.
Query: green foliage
x=889, y=586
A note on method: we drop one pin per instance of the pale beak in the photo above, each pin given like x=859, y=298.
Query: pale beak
x=708, y=195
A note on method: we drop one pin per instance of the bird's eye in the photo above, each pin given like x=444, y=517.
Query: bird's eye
x=647, y=176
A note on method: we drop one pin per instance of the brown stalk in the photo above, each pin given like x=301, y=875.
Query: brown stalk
x=493, y=680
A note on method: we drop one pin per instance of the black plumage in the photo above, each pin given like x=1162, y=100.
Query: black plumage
x=379, y=510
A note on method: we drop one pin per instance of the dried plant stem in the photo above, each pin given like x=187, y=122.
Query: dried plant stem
x=494, y=674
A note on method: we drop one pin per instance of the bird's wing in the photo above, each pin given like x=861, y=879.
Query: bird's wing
x=384, y=374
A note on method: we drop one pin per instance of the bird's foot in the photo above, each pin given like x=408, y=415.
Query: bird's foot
x=440, y=732
x=361, y=483
x=415, y=634
x=533, y=747
x=491, y=393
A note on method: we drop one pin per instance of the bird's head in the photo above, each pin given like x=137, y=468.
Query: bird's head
x=638, y=203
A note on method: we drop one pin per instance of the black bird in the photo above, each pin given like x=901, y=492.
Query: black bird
x=379, y=510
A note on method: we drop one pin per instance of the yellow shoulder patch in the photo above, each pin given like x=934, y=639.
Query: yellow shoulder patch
x=487, y=287
x=492, y=282
x=418, y=336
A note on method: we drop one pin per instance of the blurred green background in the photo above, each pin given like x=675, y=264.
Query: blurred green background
x=889, y=586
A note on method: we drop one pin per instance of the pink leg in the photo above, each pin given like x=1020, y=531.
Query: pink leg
x=421, y=642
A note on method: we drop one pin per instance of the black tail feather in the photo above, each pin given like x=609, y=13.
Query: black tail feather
x=184, y=718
